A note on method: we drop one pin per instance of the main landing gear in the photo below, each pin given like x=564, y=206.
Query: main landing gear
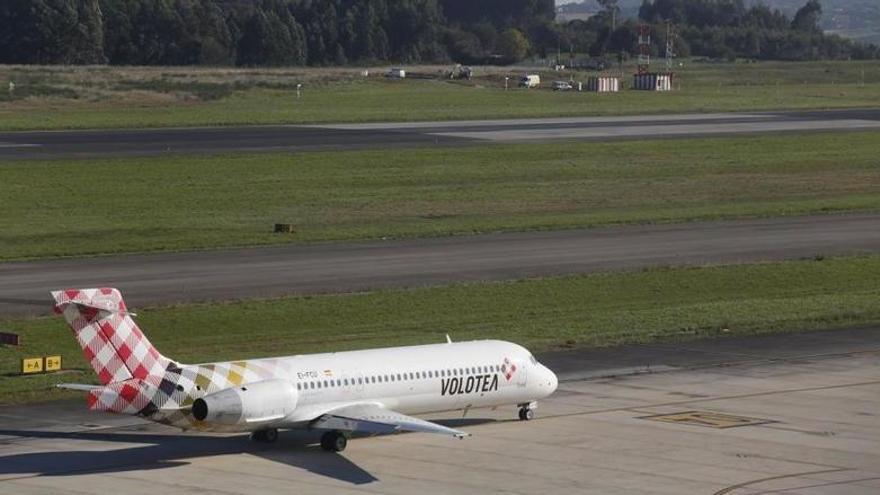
x=269, y=435
x=526, y=412
x=334, y=441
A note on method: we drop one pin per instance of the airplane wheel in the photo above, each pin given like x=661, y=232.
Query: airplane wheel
x=265, y=436
x=334, y=441
x=526, y=413
x=270, y=435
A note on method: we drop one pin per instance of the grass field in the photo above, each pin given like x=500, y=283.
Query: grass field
x=58, y=208
x=100, y=97
x=545, y=314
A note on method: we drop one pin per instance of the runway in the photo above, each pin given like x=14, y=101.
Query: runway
x=166, y=278
x=147, y=142
x=745, y=416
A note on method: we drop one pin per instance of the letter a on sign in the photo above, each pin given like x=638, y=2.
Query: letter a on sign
x=32, y=365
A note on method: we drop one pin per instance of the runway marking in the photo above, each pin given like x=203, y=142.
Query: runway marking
x=634, y=408
x=692, y=117
x=774, y=478
x=651, y=131
x=19, y=145
x=707, y=418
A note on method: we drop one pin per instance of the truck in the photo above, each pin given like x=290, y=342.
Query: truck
x=529, y=81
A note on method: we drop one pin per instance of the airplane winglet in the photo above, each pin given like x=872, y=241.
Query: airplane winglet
x=448, y=339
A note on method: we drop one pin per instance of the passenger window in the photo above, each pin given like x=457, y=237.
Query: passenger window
x=360, y=381
x=298, y=386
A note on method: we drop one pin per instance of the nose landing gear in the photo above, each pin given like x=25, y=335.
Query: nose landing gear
x=334, y=441
x=526, y=412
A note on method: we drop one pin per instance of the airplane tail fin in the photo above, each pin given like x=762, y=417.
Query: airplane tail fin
x=110, y=339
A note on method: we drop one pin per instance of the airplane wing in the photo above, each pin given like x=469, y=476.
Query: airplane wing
x=373, y=418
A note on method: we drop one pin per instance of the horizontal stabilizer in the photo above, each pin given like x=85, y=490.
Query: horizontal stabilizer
x=105, y=299
x=373, y=418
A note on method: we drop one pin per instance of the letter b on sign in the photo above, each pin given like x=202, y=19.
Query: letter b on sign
x=53, y=363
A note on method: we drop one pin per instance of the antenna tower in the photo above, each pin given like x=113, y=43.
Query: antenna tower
x=670, y=54
x=644, y=48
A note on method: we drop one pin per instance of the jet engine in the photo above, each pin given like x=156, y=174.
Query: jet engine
x=252, y=405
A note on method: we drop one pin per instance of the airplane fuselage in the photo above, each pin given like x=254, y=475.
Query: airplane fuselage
x=412, y=380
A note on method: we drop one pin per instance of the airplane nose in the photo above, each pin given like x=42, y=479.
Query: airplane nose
x=550, y=379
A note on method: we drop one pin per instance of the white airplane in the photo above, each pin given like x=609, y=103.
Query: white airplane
x=370, y=391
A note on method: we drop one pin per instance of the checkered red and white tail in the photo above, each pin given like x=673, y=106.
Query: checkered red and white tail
x=111, y=341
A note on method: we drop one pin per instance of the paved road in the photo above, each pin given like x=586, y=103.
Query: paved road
x=89, y=144
x=274, y=271
x=810, y=400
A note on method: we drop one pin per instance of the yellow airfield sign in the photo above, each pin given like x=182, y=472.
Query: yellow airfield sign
x=52, y=363
x=32, y=365
x=40, y=364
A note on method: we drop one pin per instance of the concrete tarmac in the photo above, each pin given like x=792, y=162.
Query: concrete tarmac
x=135, y=142
x=792, y=414
x=166, y=278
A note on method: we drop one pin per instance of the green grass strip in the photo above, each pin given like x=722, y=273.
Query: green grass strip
x=61, y=208
x=155, y=97
x=543, y=314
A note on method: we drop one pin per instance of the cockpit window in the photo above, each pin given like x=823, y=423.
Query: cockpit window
x=532, y=359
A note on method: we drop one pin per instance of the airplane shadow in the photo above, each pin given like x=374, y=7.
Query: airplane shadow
x=295, y=449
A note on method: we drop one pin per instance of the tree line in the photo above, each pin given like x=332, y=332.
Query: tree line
x=266, y=32
x=337, y=32
x=721, y=29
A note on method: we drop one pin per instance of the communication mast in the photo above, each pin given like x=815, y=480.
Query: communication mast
x=670, y=54
x=644, y=48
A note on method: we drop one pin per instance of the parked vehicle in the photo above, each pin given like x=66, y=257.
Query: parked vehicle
x=396, y=73
x=561, y=86
x=529, y=81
